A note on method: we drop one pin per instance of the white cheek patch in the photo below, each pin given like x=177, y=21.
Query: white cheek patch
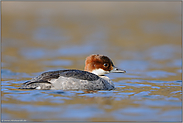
x=100, y=71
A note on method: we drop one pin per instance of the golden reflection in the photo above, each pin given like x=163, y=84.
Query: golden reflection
x=37, y=32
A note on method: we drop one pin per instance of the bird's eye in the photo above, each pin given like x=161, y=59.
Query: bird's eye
x=106, y=64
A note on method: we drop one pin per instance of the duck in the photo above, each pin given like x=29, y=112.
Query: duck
x=91, y=78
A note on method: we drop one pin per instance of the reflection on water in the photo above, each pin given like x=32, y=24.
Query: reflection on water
x=144, y=41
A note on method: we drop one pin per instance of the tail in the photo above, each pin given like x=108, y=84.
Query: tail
x=36, y=85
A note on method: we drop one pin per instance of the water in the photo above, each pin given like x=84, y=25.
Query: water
x=144, y=41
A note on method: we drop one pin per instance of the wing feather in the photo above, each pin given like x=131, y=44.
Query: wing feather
x=43, y=81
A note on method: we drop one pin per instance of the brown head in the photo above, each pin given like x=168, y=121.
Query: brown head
x=100, y=65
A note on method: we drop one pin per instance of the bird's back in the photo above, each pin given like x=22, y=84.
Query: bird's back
x=68, y=80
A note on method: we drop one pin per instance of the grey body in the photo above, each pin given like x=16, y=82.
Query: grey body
x=69, y=80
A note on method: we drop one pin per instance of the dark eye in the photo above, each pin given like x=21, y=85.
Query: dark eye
x=106, y=64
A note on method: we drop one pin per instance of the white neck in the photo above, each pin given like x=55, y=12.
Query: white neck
x=100, y=72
